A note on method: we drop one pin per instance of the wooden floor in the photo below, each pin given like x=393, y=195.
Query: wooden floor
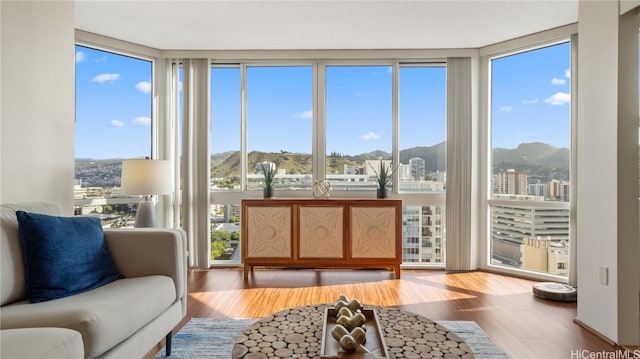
x=519, y=323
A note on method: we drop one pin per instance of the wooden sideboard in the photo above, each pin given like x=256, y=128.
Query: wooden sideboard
x=317, y=233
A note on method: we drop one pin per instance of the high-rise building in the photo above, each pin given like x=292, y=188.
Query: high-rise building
x=512, y=182
x=417, y=168
x=539, y=189
x=422, y=235
x=559, y=190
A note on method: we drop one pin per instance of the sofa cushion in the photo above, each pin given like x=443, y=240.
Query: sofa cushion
x=12, y=284
x=41, y=343
x=63, y=255
x=104, y=316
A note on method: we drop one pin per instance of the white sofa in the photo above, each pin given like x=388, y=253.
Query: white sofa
x=122, y=319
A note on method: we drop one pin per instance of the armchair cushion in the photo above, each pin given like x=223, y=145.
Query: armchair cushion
x=63, y=255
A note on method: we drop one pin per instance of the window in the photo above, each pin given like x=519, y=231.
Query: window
x=225, y=161
x=422, y=117
x=358, y=124
x=280, y=124
x=531, y=152
x=113, y=122
x=265, y=113
x=225, y=128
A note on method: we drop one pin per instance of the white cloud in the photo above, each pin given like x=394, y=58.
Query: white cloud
x=567, y=73
x=506, y=108
x=116, y=123
x=80, y=57
x=105, y=77
x=305, y=115
x=557, y=81
x=143, y=86
x=370, y=136
x=141, y=121
x=558, y=99
x=533, y=101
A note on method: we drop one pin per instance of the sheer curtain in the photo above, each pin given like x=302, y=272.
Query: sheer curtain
x=195, y=164
x=461, y=179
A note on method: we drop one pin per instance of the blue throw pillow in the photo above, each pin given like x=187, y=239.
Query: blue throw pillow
x=63, y=255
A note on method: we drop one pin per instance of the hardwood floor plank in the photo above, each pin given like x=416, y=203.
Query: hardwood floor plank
x=522, y=325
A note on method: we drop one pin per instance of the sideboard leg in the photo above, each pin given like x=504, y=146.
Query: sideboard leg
x=247, y=268
x=396, y=269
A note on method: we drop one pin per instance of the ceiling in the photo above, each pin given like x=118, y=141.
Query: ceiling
x=320, y=24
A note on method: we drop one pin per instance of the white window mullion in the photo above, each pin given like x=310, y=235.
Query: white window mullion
x=243, y=127
x=319, y=153
x=395, y=124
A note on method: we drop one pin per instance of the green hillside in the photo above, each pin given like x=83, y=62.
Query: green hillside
x=541, y=161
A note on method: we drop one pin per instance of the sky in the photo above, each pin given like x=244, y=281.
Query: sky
x=530, y=103
x=530, y=98
x=358, y=108
x=113, y=105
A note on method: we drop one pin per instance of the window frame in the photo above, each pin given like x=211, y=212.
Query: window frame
x=319, y=121
x=486, y=164
x=319, y=155
x=114, y=47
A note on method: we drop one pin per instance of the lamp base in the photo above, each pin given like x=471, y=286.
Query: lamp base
x=146, y=216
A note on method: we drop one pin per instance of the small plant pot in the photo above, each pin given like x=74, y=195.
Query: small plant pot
x=268, y=192
x=381, y=193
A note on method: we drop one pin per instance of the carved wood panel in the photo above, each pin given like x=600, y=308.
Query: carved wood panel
x=269, y=232
x=321, y=232
x=373, y=232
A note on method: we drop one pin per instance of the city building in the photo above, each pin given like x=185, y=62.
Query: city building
x=422, y=234
x=559, y=190
x=513, y=226
x=417, y=168
x=512, y=182
x=539, y=189
x=371, y=167
x=546, y=256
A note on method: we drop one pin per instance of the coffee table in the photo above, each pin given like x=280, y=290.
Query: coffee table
x=297, y=333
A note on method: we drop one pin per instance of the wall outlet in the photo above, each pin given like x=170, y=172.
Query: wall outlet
x=604, y=275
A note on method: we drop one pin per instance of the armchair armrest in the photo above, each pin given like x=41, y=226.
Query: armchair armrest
x=150, y=251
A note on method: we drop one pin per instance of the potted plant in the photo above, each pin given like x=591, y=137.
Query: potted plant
x=383, y=178
x=269, y=171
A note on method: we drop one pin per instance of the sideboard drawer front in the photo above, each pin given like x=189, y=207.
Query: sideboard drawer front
x=373, y=232
x=321, y=232
x=269, y=232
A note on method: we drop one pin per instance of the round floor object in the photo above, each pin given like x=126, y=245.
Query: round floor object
x=555, y=291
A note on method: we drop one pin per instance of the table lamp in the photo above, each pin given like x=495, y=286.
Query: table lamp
x=146, y=178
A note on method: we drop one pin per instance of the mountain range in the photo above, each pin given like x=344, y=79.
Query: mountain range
x=541, y=161
x=538, y=159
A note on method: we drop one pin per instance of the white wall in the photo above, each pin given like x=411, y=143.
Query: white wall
x=38, y=102
x=606, y=100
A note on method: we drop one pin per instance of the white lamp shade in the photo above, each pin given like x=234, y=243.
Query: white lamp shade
x=146, y=177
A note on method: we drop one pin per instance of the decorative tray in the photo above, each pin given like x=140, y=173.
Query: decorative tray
x=330, y=347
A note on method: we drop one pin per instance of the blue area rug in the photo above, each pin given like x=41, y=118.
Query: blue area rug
x=210, y=338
